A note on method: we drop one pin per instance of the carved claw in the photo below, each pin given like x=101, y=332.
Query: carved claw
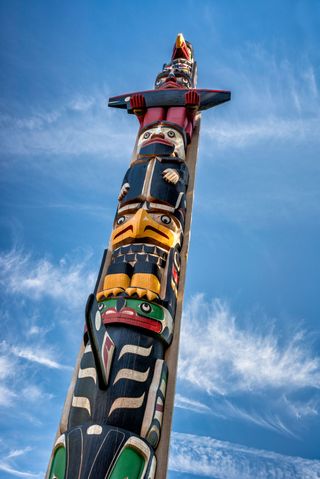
x=141, y=292
x=124, y=190
x=109, y=292
x=171, y=176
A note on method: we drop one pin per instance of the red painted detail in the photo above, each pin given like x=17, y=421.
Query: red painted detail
x=107, y=347
x=159, y=407
x=124, y=231
x=137, y=101
x=132, y=319
x=181, y=52
x=172, y=84
x=175, y=275
x=157, y=139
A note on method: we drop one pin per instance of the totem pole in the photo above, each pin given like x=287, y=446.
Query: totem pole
x=111, y=424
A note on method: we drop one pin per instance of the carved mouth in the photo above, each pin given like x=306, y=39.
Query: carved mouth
x=151, y=228
x=171, y=84
x=157, y=140
x=123, y=231
x=131, y=317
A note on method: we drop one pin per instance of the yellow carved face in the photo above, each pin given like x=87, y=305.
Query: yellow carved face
x=160, y=228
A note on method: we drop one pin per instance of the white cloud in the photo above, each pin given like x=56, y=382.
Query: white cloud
x=205, y=456
x=7, y=396
x=18, y=452
x=7, y=464
x=16, y=472
x=225, y=409
x=40, y=278
x=243, y=133
x=35, y=354
x=183, y=402
x=34, y=393
x=84, y=125
x=218, y=356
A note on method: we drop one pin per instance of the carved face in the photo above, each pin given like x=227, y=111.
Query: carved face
x=84, y=452
x=177, y=74
x=137, y=312
x=160, y=228
x=165, y=135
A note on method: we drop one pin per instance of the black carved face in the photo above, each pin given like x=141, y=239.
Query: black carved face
x=88, y=452
x=178, y=74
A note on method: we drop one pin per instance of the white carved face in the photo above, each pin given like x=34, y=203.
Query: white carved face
x=163, y=134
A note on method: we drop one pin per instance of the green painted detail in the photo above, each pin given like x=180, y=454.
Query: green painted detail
x=129, y=465
x=58, y=466
x=108, y=303
x=156, y=311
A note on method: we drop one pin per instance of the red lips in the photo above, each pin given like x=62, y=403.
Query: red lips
x=131, y=317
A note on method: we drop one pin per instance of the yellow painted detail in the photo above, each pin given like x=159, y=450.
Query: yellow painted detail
x=118, y=280
x=180, y=40
x=141, y=225
x=146, y=281
x=141, y=293
x=108, y=292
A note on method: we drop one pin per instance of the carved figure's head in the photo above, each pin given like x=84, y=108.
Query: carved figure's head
x=159, y=227
x=162, y=139
x=88, y=451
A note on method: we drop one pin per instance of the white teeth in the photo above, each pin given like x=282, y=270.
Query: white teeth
x=129, y=312
x=109, y=311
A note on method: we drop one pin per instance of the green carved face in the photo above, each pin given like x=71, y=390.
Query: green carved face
x=129, y=465
x=58, y=466
x=142, y=308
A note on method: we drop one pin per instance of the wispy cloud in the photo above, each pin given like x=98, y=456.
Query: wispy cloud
x=226, y=365
x=35, y=353
x=274, y=100
x=208, y=457
x=222, y=408
x=40, y=278
x=218, y=356
x=242, y=133
x=84, y=125
x=7, y=464
x=183, y=402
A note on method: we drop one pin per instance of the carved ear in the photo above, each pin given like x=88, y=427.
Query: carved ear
x=101, y=343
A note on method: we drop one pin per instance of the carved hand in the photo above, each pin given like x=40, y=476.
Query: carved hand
x=192, y=99
x=171, y=176
x=138, y=103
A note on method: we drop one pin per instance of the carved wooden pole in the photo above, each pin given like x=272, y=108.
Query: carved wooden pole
x=122, y=392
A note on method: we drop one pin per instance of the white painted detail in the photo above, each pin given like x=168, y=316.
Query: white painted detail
x=82, y=402
x=133, y=349
x=88, y=373
x=95, y=429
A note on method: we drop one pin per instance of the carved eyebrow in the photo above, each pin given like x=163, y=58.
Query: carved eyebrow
x=160, y=206
x=127, y=208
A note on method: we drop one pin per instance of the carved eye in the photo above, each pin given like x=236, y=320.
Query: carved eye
x=166, y=219
x=171, y=134
x=146, y=135
x=121, y=220
x=145, y=307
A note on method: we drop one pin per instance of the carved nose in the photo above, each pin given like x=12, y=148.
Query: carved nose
x=157, y=135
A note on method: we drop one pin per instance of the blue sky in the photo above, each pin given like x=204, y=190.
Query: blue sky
x=248, y=401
